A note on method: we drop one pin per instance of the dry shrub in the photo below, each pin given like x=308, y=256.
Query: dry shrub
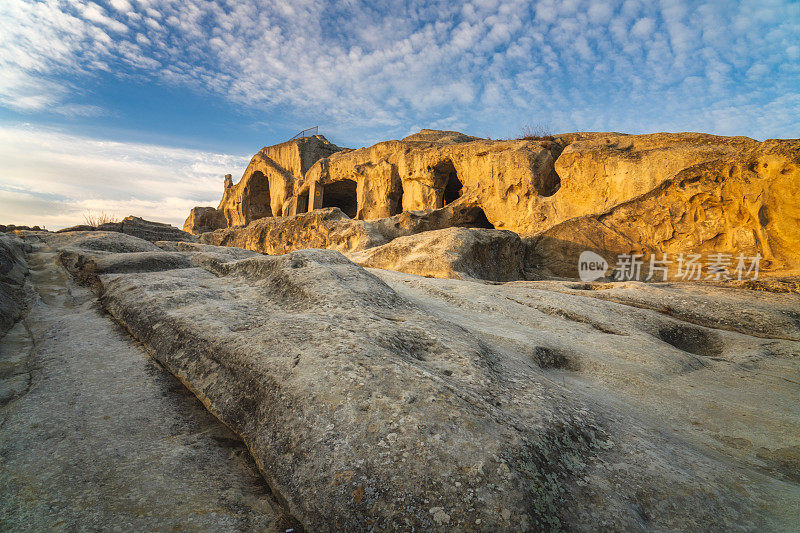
x=96, y=219
x=537, y=132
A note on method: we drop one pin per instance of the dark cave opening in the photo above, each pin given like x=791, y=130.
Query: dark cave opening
x=445, y=172
x=302, y=203
x=473, y=217
x=256, y=198
x=342, y=194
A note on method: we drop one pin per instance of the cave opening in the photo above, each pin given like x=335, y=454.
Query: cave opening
x=256, y=198
x=473, y=217
x=302, y=203
x=445, y=172
x=396, y=201
x=342, y=194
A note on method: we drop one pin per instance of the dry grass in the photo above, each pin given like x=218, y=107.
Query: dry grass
x=96, y=219
x=537, y=132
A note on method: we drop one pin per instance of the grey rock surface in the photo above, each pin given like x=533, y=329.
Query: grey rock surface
x=137, y=227
x=459, y=253
x=381, y=400
x=13, y=270
x=95, y=435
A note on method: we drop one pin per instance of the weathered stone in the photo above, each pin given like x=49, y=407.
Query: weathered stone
x=153, y=231
x=460, y=253
x=13, y=270
x=406, y=402
x=622, y=191
x=394, y=176
x=204, y=219
x=745, y=205
x=331, y=228
x=269, y=179
x=138, y=227
x=95, y=435
x=11, y=228
x=323, y=228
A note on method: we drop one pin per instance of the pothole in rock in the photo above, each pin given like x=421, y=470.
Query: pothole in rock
x=692, y=339
x=547, y=357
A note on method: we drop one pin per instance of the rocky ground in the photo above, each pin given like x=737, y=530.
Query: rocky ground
x=95, y=435
x=373, y=400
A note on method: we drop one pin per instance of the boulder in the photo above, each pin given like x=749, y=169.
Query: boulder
x=459, y=253
x=203, y=220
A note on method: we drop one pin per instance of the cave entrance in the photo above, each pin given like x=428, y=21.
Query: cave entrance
x=478, y=219
x=396, y=201
x=445, y=172
x=256, y=200
x=342, y=194
x=302, y=204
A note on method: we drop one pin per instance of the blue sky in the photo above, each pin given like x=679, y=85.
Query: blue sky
x=142, y=105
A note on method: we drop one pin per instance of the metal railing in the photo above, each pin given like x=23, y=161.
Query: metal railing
x=306, y=133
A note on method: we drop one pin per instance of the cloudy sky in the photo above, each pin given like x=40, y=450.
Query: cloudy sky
x=140, y=106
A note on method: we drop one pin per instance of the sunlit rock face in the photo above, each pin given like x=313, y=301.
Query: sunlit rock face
x=611, y=193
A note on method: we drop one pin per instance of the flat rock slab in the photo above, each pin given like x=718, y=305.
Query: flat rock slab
x=381, y=400
x=96, y=436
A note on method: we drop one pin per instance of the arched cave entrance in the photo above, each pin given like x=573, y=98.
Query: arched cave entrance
x=342, y=194
x=445, y=172
x=255, y=197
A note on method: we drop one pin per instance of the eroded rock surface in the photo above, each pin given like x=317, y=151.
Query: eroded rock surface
x=381, y=400
x=95, y=435
x=611, y=193
x=13, y=269
x=204, y=219
x=269, y=179
x=332, y=229
x=137, y=227
x=460, y=253
x=741, y=205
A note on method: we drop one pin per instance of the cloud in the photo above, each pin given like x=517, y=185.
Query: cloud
x=53, y=178
x=380, y=64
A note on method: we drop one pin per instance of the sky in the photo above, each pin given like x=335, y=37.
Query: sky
x=141, y=106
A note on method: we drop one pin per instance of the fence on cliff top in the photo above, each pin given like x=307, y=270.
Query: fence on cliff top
x=306, y=133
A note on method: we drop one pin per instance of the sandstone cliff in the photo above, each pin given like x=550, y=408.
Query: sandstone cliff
x=270, y=179
x=612, y=193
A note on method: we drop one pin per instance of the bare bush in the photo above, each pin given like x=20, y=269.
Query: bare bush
x=537, y=132
x=96, y=219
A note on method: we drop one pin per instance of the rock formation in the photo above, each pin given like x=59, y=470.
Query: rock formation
x=269, y=179
x=138, y=227
x=612, y=193
x=461, y=253
x=376, y=400
x=13, y=270
x=204, y=219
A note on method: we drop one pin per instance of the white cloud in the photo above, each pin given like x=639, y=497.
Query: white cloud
x=52, y=178
x=373, y=64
